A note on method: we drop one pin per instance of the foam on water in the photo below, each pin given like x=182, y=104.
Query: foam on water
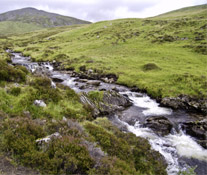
x=172, y=146
x=151, y=107
x=71, y=83
x=187, y=147
x=160, y=144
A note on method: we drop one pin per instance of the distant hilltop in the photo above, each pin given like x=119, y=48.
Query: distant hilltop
x=40, y=18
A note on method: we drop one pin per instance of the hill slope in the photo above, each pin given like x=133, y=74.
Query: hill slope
x=11, y=27
x=164, y=57
x=37, y=19
x=194, y=10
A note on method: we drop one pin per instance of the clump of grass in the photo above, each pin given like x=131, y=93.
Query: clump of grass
x=11, y=74
x=15, y=91
x=150, y=67
x=45, y=90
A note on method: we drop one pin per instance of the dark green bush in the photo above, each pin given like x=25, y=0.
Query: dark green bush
x=113, y=165
x=23, y=69
x=47, y=53
x=61, y=57
x=9, y=73
x=71, y=128
x=20, y=135
x=69, y=156
x=72, y=94
x=41, y=82
x=110, y=143
x=141, y=157
x=15, y=91
x=64, y=155
x=45, y=91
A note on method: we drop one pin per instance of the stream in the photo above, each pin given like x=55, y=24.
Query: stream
x=179, y=149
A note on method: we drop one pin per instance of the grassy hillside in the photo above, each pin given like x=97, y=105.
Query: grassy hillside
x=30, y=19
x=185, y=12
x=164, y=57
x=9, y=27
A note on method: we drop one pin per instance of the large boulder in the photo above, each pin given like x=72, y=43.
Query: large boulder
x=57, y=79
x=160, y=125
x=116, y=99
x=93, y=83
x=88, y=103
x=186, y=102
x=198, y=130
x=109, y=103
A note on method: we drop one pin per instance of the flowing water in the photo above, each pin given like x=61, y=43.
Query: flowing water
x=179, y=150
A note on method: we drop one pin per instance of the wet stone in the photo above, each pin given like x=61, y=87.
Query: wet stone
x=160, y=125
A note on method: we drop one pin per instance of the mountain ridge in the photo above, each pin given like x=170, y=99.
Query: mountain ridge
x=32, y=15
x=30, y=19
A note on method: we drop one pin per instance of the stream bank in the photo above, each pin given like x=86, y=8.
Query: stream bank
x=140, y=117
x=181, y=102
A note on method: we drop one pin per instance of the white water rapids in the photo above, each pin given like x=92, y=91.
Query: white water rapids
x=172, y=146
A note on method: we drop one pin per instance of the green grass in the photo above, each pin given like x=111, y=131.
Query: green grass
x=11, y=27
x=184, y=12
x=176, y=46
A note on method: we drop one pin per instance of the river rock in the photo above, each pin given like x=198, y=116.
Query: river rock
x=95, y=152
x=42, y=71
x=89, y=104
x=58, y=80
x=43, y=143
x=40, y=103
x=160, y=125
x=111, y=102
x=90, y=71
x=94, y=83
x=82, y=80
x=82, y=87
x=53, y=85
x=198, y=130
x=116, y=99
x=186, y=102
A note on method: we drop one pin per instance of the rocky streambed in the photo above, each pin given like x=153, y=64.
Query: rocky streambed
x=179, y=136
